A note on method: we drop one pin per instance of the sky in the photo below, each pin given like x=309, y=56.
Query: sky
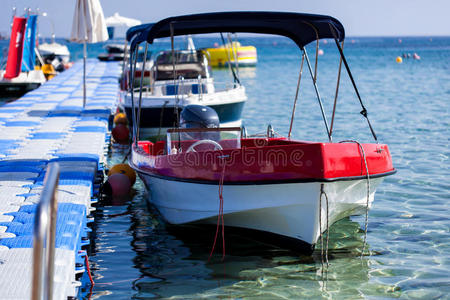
x=359, y=17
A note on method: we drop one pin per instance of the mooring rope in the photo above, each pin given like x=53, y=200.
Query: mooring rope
x=366, y=222
x=220, y=216
x=88, y=269
x=322, y=192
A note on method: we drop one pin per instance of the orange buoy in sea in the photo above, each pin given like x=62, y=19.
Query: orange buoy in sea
x=124, y=169
x=120, y=118
x=399, y=59
x=120, y=184
x=121, y=133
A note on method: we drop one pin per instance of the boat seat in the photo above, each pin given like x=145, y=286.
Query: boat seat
x=196, y=89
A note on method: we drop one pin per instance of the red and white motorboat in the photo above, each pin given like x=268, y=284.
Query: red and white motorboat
x=271, y=184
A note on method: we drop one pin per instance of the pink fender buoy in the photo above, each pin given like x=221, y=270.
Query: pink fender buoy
x=121, y=133
x=120, y=184
x=124, y=169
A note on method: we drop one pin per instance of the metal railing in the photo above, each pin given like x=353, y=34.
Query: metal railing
x=44, y=236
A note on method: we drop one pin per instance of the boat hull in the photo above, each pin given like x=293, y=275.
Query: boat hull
x=17, y=89
x=288, y=209
x=159, y=113
x=151, y=116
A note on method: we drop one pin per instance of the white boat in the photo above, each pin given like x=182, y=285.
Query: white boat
x=25, y=82
x=61, y=52
x=114, y=52
x=19, y=75
x=277, y=185
x=164, y=98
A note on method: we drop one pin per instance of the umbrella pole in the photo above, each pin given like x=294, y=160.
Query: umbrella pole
x=84, y=72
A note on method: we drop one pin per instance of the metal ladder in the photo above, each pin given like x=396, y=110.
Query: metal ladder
x=44, y=236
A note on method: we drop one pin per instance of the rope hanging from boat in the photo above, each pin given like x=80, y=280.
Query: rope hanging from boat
x=220, y=215
x=366, y=221
x=364, y=110
x=296, y=95
x=236, y=79
x=322, y=192
x=88, y=269
x=336, y=94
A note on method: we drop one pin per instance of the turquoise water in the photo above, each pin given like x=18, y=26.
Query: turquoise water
x=136, y=255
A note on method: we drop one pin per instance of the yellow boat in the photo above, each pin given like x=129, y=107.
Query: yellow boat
x=246, y=55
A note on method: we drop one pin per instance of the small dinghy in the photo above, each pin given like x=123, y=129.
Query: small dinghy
x=203, y=174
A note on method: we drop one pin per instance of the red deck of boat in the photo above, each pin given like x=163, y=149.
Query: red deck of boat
x=269, y=159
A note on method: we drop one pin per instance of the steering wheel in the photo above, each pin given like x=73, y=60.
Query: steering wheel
x=201, y=142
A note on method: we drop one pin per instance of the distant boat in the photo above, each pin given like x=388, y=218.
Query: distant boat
x=20, y=75
x=114, y=52
x=61, y=52
x=58, y=53
x=246, y=56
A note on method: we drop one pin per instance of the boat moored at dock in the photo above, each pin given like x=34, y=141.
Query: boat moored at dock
x=291, y=188
x=178, y=78
x=234, y=53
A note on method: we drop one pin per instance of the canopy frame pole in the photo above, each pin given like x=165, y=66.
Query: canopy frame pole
x=234, y=52
x=133, y=108
x=296, y=96
x=140, y=92
x=236, y=79
x=84, y=71
x=364, y=110
x=317, y=48
x=317, y=93
x=172, y=42
x=236, y=59
x=125, y=53
x=336, y=93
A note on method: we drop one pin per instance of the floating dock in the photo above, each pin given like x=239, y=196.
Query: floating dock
x=48, y=125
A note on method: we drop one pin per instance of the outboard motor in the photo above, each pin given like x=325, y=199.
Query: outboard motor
x=199, y=116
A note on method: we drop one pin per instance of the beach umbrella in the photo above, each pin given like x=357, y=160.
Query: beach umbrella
x=88, y=27
x=118, y=20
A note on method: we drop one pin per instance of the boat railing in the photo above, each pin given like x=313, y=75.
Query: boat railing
x=220, y=86
x=44, y=235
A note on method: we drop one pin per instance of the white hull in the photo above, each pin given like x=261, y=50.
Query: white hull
x=228, y=96
x=31, y=77
x=287, y=209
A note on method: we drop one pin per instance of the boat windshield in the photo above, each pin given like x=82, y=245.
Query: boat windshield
x=189, y=64
x=202, y=139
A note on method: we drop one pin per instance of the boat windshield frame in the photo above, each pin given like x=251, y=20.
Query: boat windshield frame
x=192, y=69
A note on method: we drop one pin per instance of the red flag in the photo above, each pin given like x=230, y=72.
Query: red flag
x=14, y=63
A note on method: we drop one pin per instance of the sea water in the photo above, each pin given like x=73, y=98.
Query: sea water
x=135, y=254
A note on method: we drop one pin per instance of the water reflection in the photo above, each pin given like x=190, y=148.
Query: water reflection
x=173, y=262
